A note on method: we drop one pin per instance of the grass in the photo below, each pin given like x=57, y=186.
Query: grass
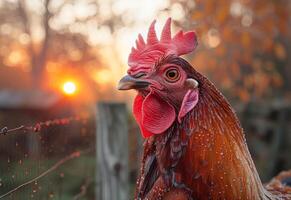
x=62, y=183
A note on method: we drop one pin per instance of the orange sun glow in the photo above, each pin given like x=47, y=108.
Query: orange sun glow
x=69, y=88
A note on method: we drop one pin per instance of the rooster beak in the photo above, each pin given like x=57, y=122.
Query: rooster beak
x=128, y=82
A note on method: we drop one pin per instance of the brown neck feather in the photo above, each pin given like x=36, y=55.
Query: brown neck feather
x=217, y=151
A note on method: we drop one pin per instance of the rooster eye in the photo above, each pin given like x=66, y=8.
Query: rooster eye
x=139, y=75
x=172, y=75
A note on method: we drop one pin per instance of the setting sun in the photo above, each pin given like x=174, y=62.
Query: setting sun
x=69, y=87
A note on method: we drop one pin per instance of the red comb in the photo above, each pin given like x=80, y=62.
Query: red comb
x=143, y=57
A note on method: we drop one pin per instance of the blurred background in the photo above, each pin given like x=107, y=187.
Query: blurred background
x=59, y=57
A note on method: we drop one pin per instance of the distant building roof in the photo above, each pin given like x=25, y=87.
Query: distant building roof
x=14, y=78
x=27, y=99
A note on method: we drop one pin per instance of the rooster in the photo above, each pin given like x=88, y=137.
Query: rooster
x=194, y=145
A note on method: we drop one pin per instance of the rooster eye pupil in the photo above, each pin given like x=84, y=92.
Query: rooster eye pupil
x=172, y=75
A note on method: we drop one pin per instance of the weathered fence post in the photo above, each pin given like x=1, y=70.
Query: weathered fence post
x=112, y=152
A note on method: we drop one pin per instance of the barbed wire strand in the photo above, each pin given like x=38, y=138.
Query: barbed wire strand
x=39, y=125
x=73, y=155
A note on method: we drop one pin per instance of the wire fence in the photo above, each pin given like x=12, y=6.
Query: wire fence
x=50, y=159
x=38, y=126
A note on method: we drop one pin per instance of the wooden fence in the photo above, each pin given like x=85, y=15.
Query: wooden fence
x=112, y=152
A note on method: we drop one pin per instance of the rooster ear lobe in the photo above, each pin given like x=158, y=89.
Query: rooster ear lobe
x=157, y=114
x=189, y=102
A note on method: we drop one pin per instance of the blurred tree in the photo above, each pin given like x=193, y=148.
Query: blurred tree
x=244, y=45
x=31, y=37
x=37, y=58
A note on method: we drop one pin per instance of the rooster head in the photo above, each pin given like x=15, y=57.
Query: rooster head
x=167, y=89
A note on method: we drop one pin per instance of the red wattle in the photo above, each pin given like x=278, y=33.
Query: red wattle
x=153, y=114
x=137, y=113
x=157, y=114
